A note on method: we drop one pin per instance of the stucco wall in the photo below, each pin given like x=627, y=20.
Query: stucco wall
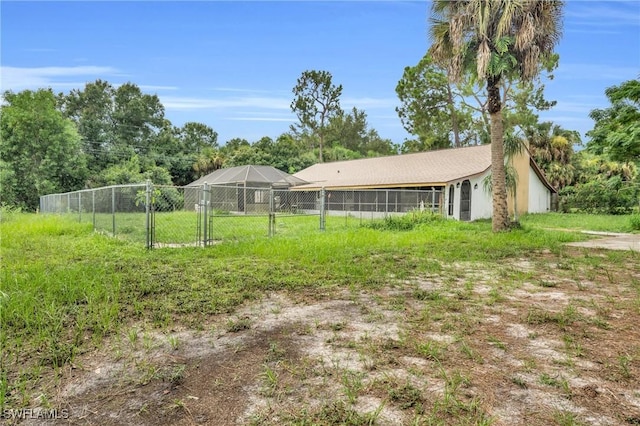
x=480, y=199
x=539, y=195
x=481, y=205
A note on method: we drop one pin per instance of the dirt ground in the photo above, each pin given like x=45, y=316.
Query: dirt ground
x=537, y=341
x=611, y=241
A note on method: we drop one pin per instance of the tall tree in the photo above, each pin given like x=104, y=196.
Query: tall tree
x=551, y=147
x=428, y=106
x=114, y=123
x=195, y=137
x=617, y=128
x=92, y=109
x=40, y=150
x=316, y=100
x=495, y=39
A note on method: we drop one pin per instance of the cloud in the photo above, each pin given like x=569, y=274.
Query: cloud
x=574, y=107
x=192, y=103
x=239, y=90
x=152, y=87
x=368, y=103
x=597, y=72
x=18, y=78
x=288, y=120
x=604, y=14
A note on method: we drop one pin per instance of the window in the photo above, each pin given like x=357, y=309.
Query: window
x=451, y=195
x=261, y=196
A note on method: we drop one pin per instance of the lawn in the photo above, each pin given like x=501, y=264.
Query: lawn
x=439, y=323
x=187, y=227
x=580, y=221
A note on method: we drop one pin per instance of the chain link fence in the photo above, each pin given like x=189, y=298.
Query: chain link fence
x=172, y=216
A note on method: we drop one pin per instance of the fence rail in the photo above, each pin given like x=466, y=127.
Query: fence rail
x=169, y=216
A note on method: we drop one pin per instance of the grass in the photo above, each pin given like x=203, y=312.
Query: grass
x=581, y=221
x=64, y=288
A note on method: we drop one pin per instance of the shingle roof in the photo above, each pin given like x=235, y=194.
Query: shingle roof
x=419, y=169
x=248, y=174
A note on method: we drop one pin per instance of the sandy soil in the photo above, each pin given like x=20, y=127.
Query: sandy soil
x=553, y=346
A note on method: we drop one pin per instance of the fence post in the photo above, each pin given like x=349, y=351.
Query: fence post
x=433, y=199
x=93, y=208
x=79, y=206
x=147, y=211
x=205, y=211
x=272, y=213
x=113, y=210
x=386, y=204
x=322, y=209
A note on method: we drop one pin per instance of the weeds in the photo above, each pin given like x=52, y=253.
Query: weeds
x=406, y=396
x=624, y=362
x=352, y=384
x=270, y=378
x=431, y=350
x=237, y=325
x=404, y=222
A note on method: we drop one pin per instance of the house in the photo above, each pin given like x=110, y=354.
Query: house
x=457, y=175
x=241, y=189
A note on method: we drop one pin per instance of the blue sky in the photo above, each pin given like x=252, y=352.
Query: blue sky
x=232, y=65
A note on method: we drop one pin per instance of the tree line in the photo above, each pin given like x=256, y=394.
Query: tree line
x=105, y=135
x=479, y=82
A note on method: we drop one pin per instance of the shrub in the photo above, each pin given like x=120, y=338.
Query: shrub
x=634, y=221
x=612, y=196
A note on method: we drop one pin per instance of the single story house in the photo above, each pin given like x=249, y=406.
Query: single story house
x=456, y=174
x=241, y=189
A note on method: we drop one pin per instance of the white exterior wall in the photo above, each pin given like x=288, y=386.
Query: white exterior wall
x=539, y=195
x=480, y=199
x=481, y=204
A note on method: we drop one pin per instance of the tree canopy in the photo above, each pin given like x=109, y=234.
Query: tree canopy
x=616, y=132
x=40, y=150
x=316, y=100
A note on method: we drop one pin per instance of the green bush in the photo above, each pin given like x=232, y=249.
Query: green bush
x=611, y=196
x=634, y=221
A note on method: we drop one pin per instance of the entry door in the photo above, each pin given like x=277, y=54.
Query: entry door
x=241, y=197
x=465, y=201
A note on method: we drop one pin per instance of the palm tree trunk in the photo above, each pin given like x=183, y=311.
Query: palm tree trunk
x=454, y=118
x=500, y=217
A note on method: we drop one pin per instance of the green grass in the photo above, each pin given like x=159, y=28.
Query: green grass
x=64, y=288
x=181, y=227
x=580, y=222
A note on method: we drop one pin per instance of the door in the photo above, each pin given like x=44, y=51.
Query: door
x=465, y=201
x=241, y=197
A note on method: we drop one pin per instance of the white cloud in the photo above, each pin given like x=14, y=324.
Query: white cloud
x=597, y=72
x=613, y=13
x=191, y=103
x=574, y=107
x=152, y=87
x=367, y=103
x=288, y=120
x=18, y=78
x=240, y=90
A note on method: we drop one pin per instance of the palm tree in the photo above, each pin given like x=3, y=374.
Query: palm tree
x=552, y=148
x=495, y=39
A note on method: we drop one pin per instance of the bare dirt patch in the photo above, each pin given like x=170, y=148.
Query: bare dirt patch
x=477, y=344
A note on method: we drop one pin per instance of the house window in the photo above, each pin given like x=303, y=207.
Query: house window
x=261, y=196
x=451, y=194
